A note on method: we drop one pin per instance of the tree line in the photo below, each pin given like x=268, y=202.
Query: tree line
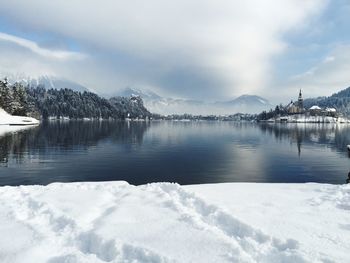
x=43, y=103
x=340, y=101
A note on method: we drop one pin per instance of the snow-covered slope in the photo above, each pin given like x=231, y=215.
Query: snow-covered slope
x=248, y=101
x=246, y=104
x=147, y=94
x=47, y=81
x=163, y=222
x=7, y=119
x=161, y=105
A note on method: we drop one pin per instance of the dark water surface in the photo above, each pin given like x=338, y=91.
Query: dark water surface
x=183, y=152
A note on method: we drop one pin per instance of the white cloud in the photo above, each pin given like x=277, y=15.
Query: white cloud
x=20, y=56
x=227, y=44
x=34, y=47
x=330, y=75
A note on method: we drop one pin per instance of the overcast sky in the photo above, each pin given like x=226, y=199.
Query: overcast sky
x=198, y=49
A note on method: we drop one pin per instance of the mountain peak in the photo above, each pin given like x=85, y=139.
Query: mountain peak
x=250, y=99
x=47, y=81
x=157, y=104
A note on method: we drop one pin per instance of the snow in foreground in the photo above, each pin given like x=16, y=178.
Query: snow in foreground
x=163, y=222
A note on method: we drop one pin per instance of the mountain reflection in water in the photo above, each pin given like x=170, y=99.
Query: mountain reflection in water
x=183, y=152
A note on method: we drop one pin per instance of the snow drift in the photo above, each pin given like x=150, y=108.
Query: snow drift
x=163, y=222
x=7, y=119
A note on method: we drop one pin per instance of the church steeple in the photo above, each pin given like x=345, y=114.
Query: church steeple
x=300, y=101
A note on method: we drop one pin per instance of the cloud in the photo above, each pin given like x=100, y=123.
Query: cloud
x=34, y=47
x=328, y=76
x=23, y=57
x=198, y=48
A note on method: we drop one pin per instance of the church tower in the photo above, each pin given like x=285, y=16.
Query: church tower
x=300, y=101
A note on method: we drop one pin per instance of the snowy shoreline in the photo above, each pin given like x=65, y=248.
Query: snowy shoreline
x=302, y=118
x=165, y=222
x=7, y=119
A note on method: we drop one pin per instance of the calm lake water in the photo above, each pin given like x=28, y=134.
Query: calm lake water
x=183, y=152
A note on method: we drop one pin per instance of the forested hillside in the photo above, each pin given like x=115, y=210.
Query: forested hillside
x=340, y=101
x=42, y=103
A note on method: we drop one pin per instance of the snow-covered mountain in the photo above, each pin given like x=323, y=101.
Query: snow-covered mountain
x=247, y=104
x=157, y=104
x=248, y=100
x=47, y=81
x=147, y=94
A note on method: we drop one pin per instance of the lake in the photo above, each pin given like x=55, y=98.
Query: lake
x=182, y=152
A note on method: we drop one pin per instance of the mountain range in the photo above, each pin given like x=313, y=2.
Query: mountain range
x=158, y=104
x=47, y=81
x=152, y=101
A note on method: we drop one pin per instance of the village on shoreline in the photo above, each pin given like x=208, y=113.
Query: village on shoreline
x=295, y=112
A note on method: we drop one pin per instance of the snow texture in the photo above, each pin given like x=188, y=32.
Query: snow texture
x=7, y=119
x=165, y=222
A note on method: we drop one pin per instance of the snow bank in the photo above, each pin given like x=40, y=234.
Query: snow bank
x=163, y=222
x=7, y=119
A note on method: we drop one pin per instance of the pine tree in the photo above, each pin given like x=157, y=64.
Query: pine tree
x=2, y=92
x=17, y=105
x=6, y=101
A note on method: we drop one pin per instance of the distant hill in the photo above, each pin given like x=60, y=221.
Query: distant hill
x=340, y=101
x=249, y=100
x=247, y=104
x=166, y=106
x=146, y=94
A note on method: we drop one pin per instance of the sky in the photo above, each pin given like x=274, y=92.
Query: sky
x=200, y=49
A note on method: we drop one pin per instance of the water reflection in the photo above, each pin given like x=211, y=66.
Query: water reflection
x=12, y=142
x=19, y=142
x=330, y=135
x=187, y=153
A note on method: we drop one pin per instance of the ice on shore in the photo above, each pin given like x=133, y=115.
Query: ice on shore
x=164, y=222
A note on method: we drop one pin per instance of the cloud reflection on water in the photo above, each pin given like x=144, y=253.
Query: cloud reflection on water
x=184, y=152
